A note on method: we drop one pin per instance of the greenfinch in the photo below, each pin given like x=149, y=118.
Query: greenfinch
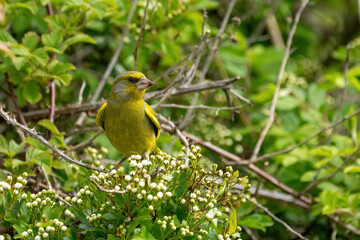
x=128, y=121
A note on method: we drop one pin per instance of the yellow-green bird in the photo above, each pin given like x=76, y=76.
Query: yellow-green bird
x=128, y=121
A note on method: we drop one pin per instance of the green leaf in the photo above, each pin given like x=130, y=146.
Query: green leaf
x=19, y=62
x=324, y=151
x=20, y=50
x=4, y=147
x=31, y=92
x=81, y=37
x=30, y=40
x=352, y=169
x=7, y=51
x=5, y=37
x=232, y=220
x=143, y=235
x=49, y=126
x=14, y=148
x=52, y=39
x=30, y=6
x=41, y=56
x=316, y=96
x=258, y=221
x=35, y=143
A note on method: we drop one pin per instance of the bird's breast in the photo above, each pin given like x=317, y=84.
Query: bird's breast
x=128, y=128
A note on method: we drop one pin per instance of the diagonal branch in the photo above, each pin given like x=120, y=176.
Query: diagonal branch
x=36, y=135
x=278, y=83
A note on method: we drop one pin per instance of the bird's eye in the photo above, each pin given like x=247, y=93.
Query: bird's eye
x=131, y=79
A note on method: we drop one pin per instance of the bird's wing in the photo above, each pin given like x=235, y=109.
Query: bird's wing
x=153, y=119
x=100, y=117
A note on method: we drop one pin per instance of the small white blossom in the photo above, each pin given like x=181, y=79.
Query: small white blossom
x=133, y=163
x=193, y=195
x=142, y=184
x=5, y=185
x=24, y=234
x=159, y=194
x=150, y=197
x=37, y=237
x=153, y=185
x=196, y=208
x=45, y=235
x=127, y=178
x=151, y=208
x=183, y=201
x=24, y=195
x=67, y=212
x=139, y=196
x=63, y=228
x=168, y=194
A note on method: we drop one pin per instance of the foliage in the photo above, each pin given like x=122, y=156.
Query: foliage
x=72, y=46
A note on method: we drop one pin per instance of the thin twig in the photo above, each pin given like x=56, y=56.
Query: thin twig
x=36, y=135
x=135, y=53
x=274, y=217
x=278, y=83
x=81, y=92
x=112, y=62
x=51, y=84
x=86, y=143
x=345, y=225
x=106, y=190
x=174, y=105
x=174, y=129
x=15, y=102
x=51, y=188
x=315, y=183
x=344, y=94
x=269, y=155
x=209, y=58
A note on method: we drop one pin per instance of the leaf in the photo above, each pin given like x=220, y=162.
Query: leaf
x=41, y=56
x=31, y=92
x=316, y=96
x=35, y=143
x=30, y=6
x=352, y=169
x=81, y=37
x=14, y=148
x=5, y=37
x=50, y=126
x=232, y=220
x=258, y=221
x=324, y=151
x=52, y=39
x=30, y=40
x=143, y=235
x=4, y=147
x=19, y=62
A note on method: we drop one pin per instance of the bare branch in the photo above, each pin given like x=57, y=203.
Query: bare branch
x=36, y=135
x=112, y=62
x=93, y=106
x=173, y=105
x=274, y=217
x=135, y=53
x=278, y=83
x=51, y=188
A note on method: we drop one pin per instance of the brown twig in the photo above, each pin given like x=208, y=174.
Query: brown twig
x=51, y=188
x=86, y=143
x=274, y=217
x=14, y=100
x=174, y=105
x=85, y=107
x=278, y=83
x=51, y=84
x=135, y=53
x=36, y=135
x=209, y=58
x=112, y=62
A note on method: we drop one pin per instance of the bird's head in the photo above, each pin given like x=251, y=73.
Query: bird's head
x=130, y=85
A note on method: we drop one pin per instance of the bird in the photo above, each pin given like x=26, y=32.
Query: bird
x=128, y=121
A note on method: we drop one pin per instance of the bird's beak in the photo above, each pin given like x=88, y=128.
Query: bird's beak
x=144, y=83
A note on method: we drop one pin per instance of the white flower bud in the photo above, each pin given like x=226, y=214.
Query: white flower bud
x=67, y=212
x=18, y=185
x=63, y=228
x=159, y=194
x=45, y=235
x=127, y=178
x=139, y=196
x=195, y=208
x=183, y=201
x=151, y=208
x=150, y=197
x=37, y=237
x=24, y=234
x=153, y=185
x=141, y=184
x=168, y=194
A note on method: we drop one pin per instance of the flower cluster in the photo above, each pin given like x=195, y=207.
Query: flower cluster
x=40, y=200
x=16, y=187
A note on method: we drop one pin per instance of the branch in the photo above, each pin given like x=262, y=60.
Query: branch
x=265, y=156
x=93, y=106
x=173, y=105
x=51, y=188
x=278, y=83
x=274, y=217
x=36, y=135
x=112, y=63
x=140, y=35
x=14, y=100
x=106, y=190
